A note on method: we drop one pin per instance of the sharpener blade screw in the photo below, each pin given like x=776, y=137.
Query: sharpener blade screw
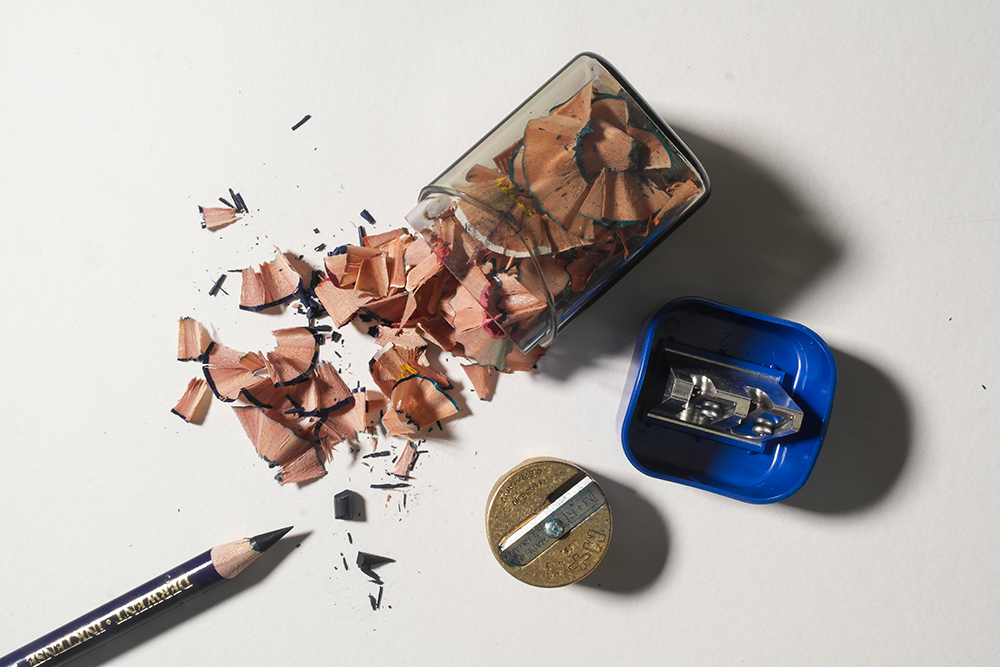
x=709, y=409
x=762, y=426
x=554, y=528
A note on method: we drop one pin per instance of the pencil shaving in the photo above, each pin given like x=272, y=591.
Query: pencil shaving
x=405, y=461
x=344, y=424
x=324, y=391
x=483, y=379
x=295, y=357
x=419, y=402
x=276, y=443
x=192, y=405
x=192, y=339
x=230, y=372
x=394, y=363
x=213, y=218
x=306, y=467
x=274, y=283
x=340, y=304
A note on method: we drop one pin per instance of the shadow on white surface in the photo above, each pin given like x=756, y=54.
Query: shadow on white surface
x=754, y=245
x=640, y=542
x=866, y=446
x=171, y=618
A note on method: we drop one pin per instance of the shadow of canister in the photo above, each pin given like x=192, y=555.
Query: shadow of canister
x=753, y=245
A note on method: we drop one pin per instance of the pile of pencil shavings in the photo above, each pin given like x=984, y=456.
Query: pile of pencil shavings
x=295, y=407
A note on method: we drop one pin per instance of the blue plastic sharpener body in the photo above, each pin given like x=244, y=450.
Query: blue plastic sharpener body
x=728, y=400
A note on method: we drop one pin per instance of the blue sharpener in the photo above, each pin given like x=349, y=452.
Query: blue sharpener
x=728, y=400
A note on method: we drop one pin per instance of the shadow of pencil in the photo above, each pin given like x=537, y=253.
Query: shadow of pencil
x=171, y=618
x=752, y=245
x=866, y=446
x=640, y=542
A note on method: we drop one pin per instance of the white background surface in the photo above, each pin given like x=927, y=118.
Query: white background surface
x=853, y=151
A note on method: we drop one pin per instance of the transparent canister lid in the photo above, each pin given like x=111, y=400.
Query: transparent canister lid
x=554, y=205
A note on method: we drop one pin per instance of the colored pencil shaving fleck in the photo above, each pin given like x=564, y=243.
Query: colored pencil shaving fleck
x=217, y=286
x=238, y=199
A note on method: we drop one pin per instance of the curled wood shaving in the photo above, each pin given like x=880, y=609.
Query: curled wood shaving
x=213, y=218
x=305, y=467
x=275, y=442
x=405, y=461
x=192, y=339
x=483, y=379
x=295, y=357
x=275, y=283
x=192, y=405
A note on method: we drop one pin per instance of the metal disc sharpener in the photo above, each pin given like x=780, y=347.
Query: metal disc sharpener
x=729, y=401
x=548, y=522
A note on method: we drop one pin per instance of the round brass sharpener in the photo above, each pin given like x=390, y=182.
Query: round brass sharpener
x=548, y=522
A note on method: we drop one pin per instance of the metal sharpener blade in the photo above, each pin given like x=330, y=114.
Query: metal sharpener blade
x=726, y=402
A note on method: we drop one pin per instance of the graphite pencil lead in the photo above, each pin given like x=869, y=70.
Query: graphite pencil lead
x=262, y=543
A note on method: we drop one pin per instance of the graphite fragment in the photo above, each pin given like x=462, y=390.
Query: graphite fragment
x=366, y=562
x=343, y=505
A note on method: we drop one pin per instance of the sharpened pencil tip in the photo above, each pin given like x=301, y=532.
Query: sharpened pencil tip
x=262, y=543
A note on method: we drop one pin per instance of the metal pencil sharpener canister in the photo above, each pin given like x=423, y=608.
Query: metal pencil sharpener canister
x=548, y=522
x=557, y=203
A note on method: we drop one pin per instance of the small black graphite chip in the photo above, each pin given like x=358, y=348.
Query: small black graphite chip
x=368, y=561
x=343, y=505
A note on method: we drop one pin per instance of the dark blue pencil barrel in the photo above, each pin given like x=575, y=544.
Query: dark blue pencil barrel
x=120, y=615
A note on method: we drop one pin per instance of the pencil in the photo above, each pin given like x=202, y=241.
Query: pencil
x=143, y=603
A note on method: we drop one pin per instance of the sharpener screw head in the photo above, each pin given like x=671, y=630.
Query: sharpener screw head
x=554, y=528
x=709, y=409
x=762, y=426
